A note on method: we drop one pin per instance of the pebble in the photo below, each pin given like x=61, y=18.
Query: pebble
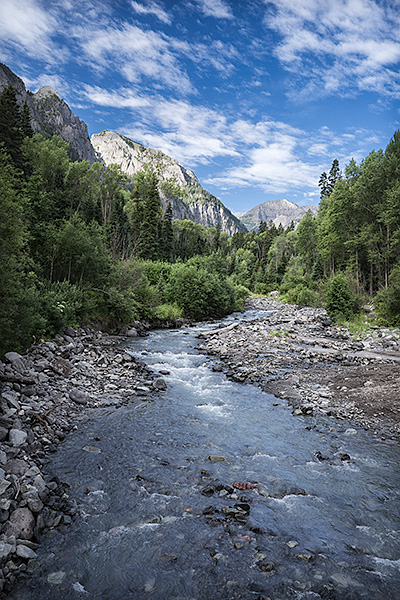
x=59, y=380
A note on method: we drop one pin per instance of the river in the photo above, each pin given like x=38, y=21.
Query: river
x=161, y=519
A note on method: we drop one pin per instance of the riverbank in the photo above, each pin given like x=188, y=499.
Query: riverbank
x=296, y=354
x=43, y=395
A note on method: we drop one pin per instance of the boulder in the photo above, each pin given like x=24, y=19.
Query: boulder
x=79, y=396
x=21, y=524
x=17, y=437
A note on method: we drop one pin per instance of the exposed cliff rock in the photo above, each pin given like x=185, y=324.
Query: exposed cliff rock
x=279, y=211
x=51, y=115
x=196, y=203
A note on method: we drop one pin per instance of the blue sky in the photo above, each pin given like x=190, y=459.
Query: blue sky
x=257, y=97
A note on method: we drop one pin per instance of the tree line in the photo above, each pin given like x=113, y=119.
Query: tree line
x=85, y=243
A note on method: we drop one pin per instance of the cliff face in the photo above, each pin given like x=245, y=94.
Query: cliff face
x=198, y=205
x=279, y=211
x=51, y=116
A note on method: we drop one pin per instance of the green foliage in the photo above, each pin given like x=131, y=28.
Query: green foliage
x=340, y=301
x=200, y=293
x=388, y=301
x=168, y=313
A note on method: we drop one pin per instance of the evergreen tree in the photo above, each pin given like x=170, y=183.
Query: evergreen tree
x=168, y=234
x=10, y=126
x=25, y=121
x=149, y=246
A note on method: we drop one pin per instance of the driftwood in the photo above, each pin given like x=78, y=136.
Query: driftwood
x=218, y=330
x=17, y=379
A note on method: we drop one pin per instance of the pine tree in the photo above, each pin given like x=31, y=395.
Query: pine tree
x=10, y=126
x=168, y=234
x=148, y=245
x=25, y=121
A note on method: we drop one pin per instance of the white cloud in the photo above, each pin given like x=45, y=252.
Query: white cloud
x=136, y=53
x=152, y=8
x=23, y=23
x=121, y=99
x=338, y=47
x=215, y=8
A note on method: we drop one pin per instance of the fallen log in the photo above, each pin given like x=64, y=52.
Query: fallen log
x=17, y=379
x=218, y=330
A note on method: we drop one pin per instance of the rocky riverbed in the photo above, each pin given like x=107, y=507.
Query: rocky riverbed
x=43, y=394
x=297, y=354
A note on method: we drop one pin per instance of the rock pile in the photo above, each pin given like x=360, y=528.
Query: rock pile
x=41, y=396
x=297, y=354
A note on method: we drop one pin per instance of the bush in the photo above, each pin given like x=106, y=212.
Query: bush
x=62, y=305
x=387, y=302
x=200, y=293
x=168, y=312
x=340, y=301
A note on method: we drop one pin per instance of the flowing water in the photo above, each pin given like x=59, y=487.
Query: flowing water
x=158, y=519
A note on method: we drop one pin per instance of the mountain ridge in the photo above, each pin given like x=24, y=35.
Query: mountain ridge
x=280, y=212
x=196, y=203
x=51, y=115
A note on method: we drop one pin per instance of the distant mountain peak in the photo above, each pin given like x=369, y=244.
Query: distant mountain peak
x=280, y=212
x=197, y=204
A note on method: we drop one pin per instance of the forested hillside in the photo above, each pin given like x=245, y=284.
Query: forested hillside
x=85, y=243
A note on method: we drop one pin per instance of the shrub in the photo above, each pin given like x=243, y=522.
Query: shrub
x=339, y=301
x=200, y=293
x=388, y=301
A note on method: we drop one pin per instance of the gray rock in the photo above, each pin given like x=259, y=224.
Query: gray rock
x=70, y=332
x=25, y=552
x=13, y=356
x=34, y=502
x=61, y=366
x=3, y=433
x=21, y=524
x=5, y=550
x=132, y=332
x=17, y=437
x=79, y=396
x=160, y=384
x=56, y=578
x=4, y=485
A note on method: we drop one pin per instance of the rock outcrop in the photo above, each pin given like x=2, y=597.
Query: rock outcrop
x=196, y=203
x=51, y=116
x=280, y=212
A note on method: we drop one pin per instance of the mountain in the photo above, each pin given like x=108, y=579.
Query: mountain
x=51, y=116
x=196, y=203
x=279, y=211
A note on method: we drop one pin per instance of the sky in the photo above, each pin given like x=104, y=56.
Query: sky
x=257, y=97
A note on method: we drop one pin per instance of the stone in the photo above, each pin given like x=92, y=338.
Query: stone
x=21, y=524
x=12, y=357
x=4, y=485
x=79, y=396
x=17, y=437
x=56, y=578
x=34, y=502
x=132, y=332
x=25, y=552
x=3, y=433
x=61, y=366
x=70, y=332
x=215, y=459
x=160, y=384
x=5, y=550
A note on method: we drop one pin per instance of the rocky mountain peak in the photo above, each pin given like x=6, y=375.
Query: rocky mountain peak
x=196, y=203
x=281, y=212
x=46, y=91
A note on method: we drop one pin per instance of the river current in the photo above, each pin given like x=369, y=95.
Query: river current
x=161, y=519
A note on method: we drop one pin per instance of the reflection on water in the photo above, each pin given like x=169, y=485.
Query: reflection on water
x=161, y=518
